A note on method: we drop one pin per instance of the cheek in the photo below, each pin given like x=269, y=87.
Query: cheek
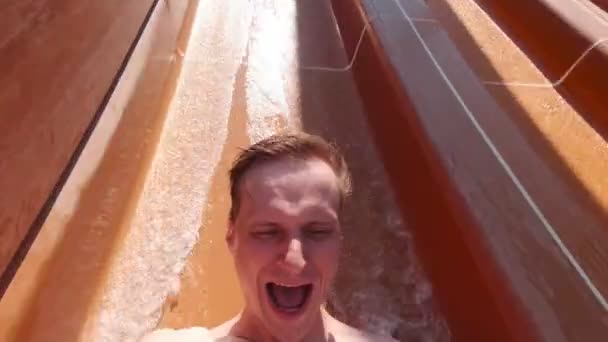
x=326, y=257
x=251, y=258
x=248, y=268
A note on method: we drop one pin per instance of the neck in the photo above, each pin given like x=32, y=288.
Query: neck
x=248, y=327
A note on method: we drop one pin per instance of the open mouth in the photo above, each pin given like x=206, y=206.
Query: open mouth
x=288, y=299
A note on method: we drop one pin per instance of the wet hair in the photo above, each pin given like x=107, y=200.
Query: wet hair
x=282, y=146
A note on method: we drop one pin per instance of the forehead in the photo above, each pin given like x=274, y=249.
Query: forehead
x=291, y=184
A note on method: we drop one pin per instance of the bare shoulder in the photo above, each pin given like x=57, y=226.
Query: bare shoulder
x=223, y=330
x=356, y=335
x=195, y=334
x=182, y=335
x=376, y=338
x=343, y=332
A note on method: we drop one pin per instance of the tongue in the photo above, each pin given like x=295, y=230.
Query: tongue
x=289, y=297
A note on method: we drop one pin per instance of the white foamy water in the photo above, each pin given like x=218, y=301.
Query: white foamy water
x=166, y=224
x=272, y=89
x=168, y=216
x=271, y=56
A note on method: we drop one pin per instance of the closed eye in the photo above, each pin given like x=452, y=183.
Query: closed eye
x=319, y=233
x=266, y=232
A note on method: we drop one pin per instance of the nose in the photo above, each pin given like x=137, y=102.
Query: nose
x=294, y=260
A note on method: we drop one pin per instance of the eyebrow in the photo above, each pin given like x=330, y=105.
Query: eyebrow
x=257, y=223
x=264, y=223
x=321, y=222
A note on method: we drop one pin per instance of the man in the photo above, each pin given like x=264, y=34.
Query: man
x=284, y=234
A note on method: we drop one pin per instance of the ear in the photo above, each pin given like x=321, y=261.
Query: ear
x=230, y=238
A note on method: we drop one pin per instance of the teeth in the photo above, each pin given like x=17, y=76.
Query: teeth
x=286, y=285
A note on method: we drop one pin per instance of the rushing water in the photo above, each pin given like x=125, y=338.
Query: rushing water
x=242, y=80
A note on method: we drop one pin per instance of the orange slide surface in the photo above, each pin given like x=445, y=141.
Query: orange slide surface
x=475, y=131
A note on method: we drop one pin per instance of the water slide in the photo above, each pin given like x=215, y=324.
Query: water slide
x=475, y=131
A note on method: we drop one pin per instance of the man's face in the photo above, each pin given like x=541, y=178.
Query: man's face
x=285, y=241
